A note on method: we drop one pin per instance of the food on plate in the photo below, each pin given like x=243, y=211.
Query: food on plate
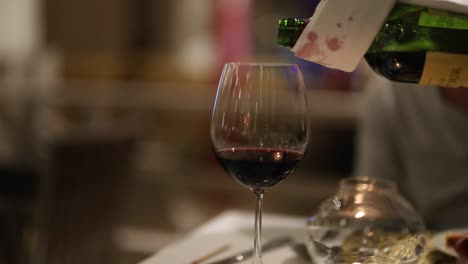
x=438, y=257
x=461, y=247
x=451, y=239
x=448, y=247
x=459, y=243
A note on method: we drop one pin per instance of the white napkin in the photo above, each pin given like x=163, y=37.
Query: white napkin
x=340, y=32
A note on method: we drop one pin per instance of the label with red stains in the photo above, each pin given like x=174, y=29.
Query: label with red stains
x=445, y=69
x=311, y=48
x=334, y=43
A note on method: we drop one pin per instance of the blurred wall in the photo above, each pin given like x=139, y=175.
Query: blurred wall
x=168, y=40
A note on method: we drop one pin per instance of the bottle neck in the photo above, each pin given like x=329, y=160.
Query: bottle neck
x=289, y=30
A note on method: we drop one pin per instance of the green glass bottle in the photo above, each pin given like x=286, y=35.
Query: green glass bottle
x=415, y=45
x=289, y=30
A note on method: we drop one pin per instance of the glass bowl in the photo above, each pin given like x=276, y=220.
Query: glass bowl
x=365, y=221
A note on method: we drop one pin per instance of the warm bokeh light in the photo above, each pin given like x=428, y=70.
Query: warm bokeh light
x=360, y=214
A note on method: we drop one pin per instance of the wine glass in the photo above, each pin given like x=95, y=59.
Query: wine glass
x=259, y=128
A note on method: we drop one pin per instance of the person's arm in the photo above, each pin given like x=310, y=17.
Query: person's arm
x=377, y=143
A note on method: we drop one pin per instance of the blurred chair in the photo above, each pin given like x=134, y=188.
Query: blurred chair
x=86, y=137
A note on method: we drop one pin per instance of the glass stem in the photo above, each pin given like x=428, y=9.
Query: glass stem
x=257, y=254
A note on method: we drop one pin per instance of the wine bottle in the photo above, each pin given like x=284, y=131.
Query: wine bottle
x=415, y=45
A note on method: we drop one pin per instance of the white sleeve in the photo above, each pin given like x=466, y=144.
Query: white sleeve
x=377, y=143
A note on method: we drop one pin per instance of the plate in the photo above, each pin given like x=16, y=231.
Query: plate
x=439, y=240
x=235, y=229
x=195, y=247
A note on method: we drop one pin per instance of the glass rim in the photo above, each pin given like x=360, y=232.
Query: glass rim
x=366, y=181
x=262, y=64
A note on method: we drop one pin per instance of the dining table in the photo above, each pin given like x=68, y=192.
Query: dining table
x=231, y=232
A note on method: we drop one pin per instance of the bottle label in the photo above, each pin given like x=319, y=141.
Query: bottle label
x=443, y=19
x=445, y=69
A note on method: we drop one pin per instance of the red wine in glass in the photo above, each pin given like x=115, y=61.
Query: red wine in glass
x=257, y=168
x=259, y=128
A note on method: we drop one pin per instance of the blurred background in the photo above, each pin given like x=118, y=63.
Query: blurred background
x=105, y=109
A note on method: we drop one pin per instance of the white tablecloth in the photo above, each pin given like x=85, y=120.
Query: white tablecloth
x=234, y=228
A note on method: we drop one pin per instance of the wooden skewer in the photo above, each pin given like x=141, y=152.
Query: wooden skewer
x=211, y=254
